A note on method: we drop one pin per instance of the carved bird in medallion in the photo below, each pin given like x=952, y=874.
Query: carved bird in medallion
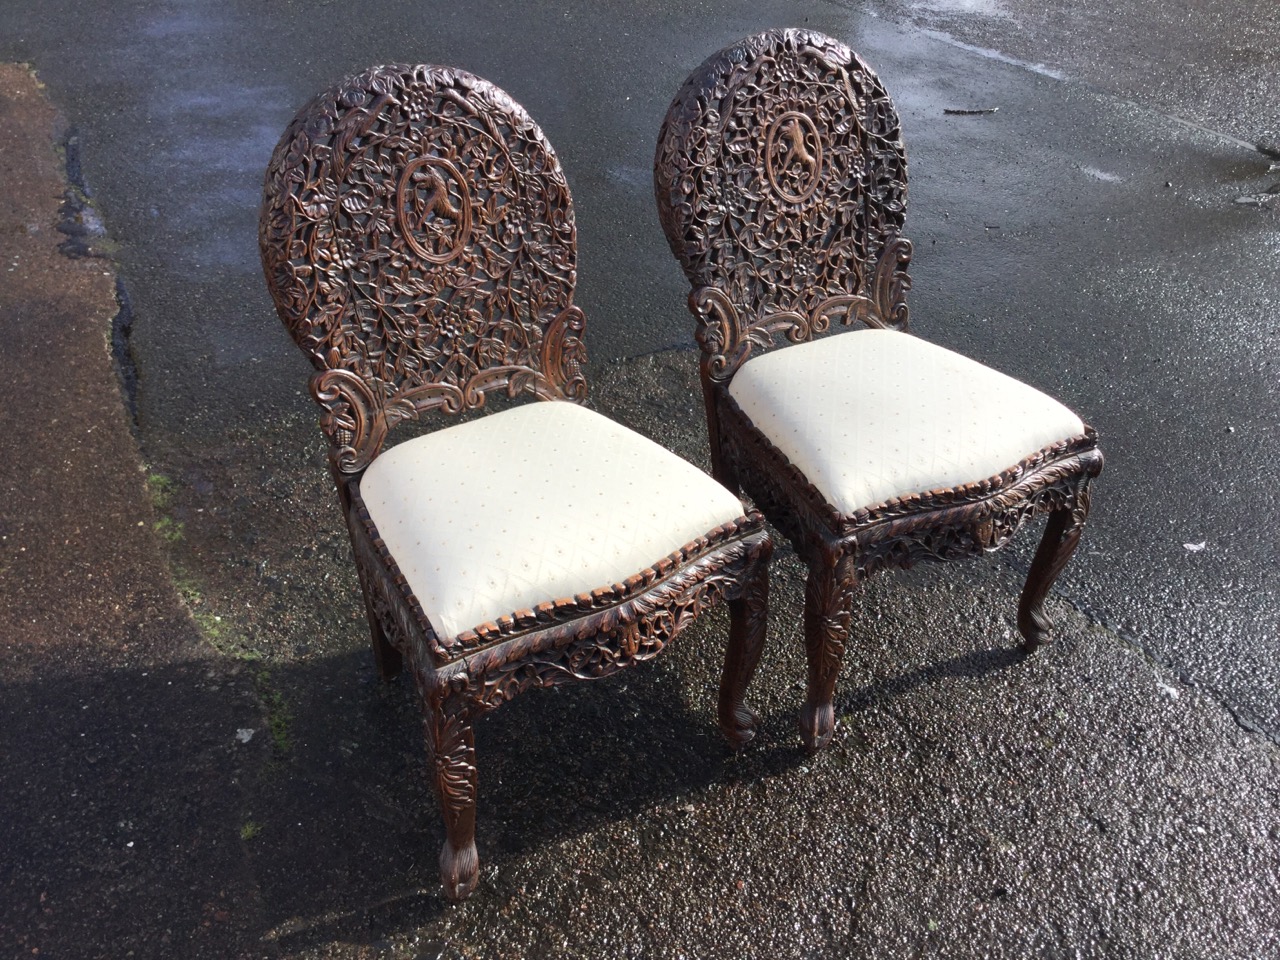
x=437, y=201
x=797, y=149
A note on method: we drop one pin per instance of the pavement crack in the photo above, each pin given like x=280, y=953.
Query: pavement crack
x=86, y=237
x=1241, y=717
x=78, y=221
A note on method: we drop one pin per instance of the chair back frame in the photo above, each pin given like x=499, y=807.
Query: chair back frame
x=781, y=182
x=418, y=239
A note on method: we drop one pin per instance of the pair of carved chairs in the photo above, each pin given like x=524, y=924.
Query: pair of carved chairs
x=418, y=240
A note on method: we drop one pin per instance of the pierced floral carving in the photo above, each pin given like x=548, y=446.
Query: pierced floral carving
x=418, y=238
x=781, y=183
x=985, y=526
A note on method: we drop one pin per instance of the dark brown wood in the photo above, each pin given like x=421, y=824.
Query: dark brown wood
x=1061, y=537
x=748, y=620
x=418, y=239
x=781, y=182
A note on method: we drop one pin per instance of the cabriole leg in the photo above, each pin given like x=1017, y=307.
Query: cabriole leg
x=827, y=595
x=1061, y=536
x=452, y=748
x=748, y=619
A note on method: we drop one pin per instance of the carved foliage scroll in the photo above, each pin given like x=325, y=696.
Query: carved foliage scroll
x=624, y=635
x=418, y=238
x=781, y=184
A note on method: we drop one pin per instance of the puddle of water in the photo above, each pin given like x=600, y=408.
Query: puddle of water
x=984, y=8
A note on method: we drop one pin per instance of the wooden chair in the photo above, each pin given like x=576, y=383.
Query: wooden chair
x=781, y=183
x=418, y=238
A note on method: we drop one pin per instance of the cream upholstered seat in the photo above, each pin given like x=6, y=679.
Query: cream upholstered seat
x=557, y=501
x=873, y=415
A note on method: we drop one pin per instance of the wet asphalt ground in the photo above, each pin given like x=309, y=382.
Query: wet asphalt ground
x=1116, y=795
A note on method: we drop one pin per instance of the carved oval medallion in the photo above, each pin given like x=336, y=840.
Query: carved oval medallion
x=793, y=156
x=434, y=208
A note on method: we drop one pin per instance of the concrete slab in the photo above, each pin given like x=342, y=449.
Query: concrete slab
x=119, y=766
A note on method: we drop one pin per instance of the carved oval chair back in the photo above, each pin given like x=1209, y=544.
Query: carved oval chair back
x=781, y=183
x=417, y=236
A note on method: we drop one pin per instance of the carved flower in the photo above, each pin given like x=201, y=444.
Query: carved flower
x=736, y=197
x=318, y=126
x=317, y=199
x=334, y=252
x=804, y=268
x=351, y=95
x=454, y=343
x=792, y=269
x=454, y=327
x=784, y=69
x=417, y=101
x=515, y=223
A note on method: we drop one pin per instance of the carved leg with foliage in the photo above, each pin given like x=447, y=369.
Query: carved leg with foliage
x=748, y=619
x=827, y=597
x=453, y=757
x=1061, y=536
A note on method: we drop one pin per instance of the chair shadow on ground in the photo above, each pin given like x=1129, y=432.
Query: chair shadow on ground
x=971, y=664
x=330, y=802
x=350, y=826
x=352, y=819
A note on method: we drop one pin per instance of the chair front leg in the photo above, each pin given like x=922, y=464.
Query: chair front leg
x=748, y=620
x=453, y=757
x=828, y=594
x=1061, y=537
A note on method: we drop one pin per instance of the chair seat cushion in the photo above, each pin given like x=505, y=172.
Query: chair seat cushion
x=533, y=504
x=874, y=415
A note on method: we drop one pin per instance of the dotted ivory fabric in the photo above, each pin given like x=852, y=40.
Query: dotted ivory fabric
x=543, y=501
x=872, y=415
